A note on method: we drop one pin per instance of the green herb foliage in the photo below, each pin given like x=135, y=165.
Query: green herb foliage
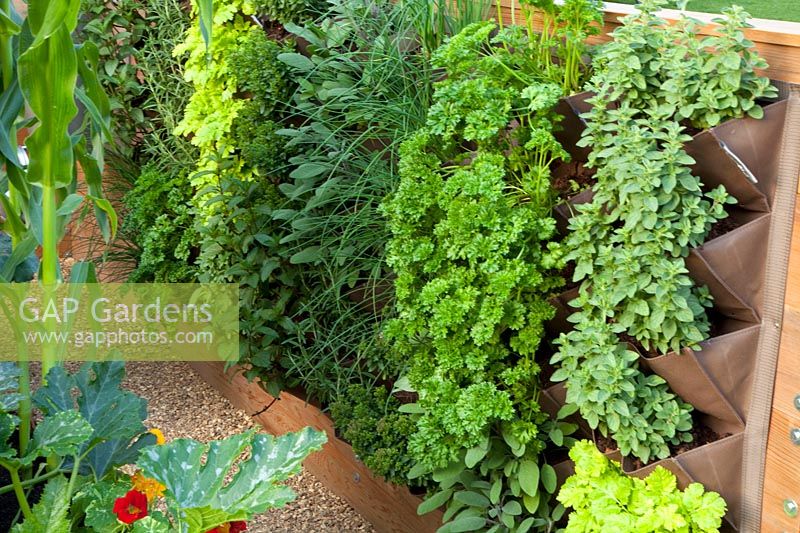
x=476, y=256
x=118, y=33
x=648, y=211
x=603, y=498
x=367, y=418
x=289, y=11
x=160, y=218
x=560, y=45
x=362, y=88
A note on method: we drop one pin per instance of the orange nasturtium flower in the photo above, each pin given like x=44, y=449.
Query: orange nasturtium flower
x=147, y=486
x=159, y=436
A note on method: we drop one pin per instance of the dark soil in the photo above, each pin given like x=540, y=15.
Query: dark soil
x=406, y=396
x=689, y=129
x=605, y=444
x=8, y=503
x=701, y=435
x=567, y=274
x=572, y=178
x=546, y=370
x=630, y=339
x=726, y=225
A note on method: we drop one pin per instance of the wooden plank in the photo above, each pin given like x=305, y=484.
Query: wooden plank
x=781, y=478
x=777, y=41
x=390, y=509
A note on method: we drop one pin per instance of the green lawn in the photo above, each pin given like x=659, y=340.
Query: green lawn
x=765, y=9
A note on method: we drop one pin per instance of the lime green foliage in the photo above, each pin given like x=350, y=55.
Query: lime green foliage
x=630, y=241
x=214, y=105
x=367, y=418
x=161, y=219
x=287, y=11
x=233, y=116
x=605, y=499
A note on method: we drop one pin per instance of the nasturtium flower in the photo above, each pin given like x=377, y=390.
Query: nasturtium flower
x=160, y=440
x=230, y=527
x=151, y=488
x=131, y=507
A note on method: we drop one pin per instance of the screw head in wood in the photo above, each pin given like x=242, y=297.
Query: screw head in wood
x=794, y=436
x=790, y=507
x=797, y=402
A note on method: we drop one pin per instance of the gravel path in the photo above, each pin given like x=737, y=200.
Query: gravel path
x=181, y=404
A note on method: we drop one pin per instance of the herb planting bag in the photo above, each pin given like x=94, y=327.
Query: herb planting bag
x=738, y=258
x=717, y=465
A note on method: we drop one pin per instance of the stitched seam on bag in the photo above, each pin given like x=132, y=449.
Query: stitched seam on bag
x=775, y=280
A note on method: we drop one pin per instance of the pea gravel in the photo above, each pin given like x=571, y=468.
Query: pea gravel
x=181, y=404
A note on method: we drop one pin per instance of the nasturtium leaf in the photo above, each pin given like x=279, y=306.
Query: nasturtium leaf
x=97, y=500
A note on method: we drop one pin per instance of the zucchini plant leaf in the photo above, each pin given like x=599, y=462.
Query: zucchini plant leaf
x=9, y=385
x=61, y=434
x=194, y=484
x=115, y=414
x=205, y=518
x=50, y=514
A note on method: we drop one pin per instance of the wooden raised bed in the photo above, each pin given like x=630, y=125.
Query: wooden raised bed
x=393, y=509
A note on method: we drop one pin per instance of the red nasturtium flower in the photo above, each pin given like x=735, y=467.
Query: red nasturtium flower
x=131, y=507
x=231, y=527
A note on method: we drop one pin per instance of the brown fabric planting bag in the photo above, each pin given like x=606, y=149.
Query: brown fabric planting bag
x=757, y=145
x=572, y=126
x=717, y=380
x=742, y=155
x=738, y=258
x=717, y=465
